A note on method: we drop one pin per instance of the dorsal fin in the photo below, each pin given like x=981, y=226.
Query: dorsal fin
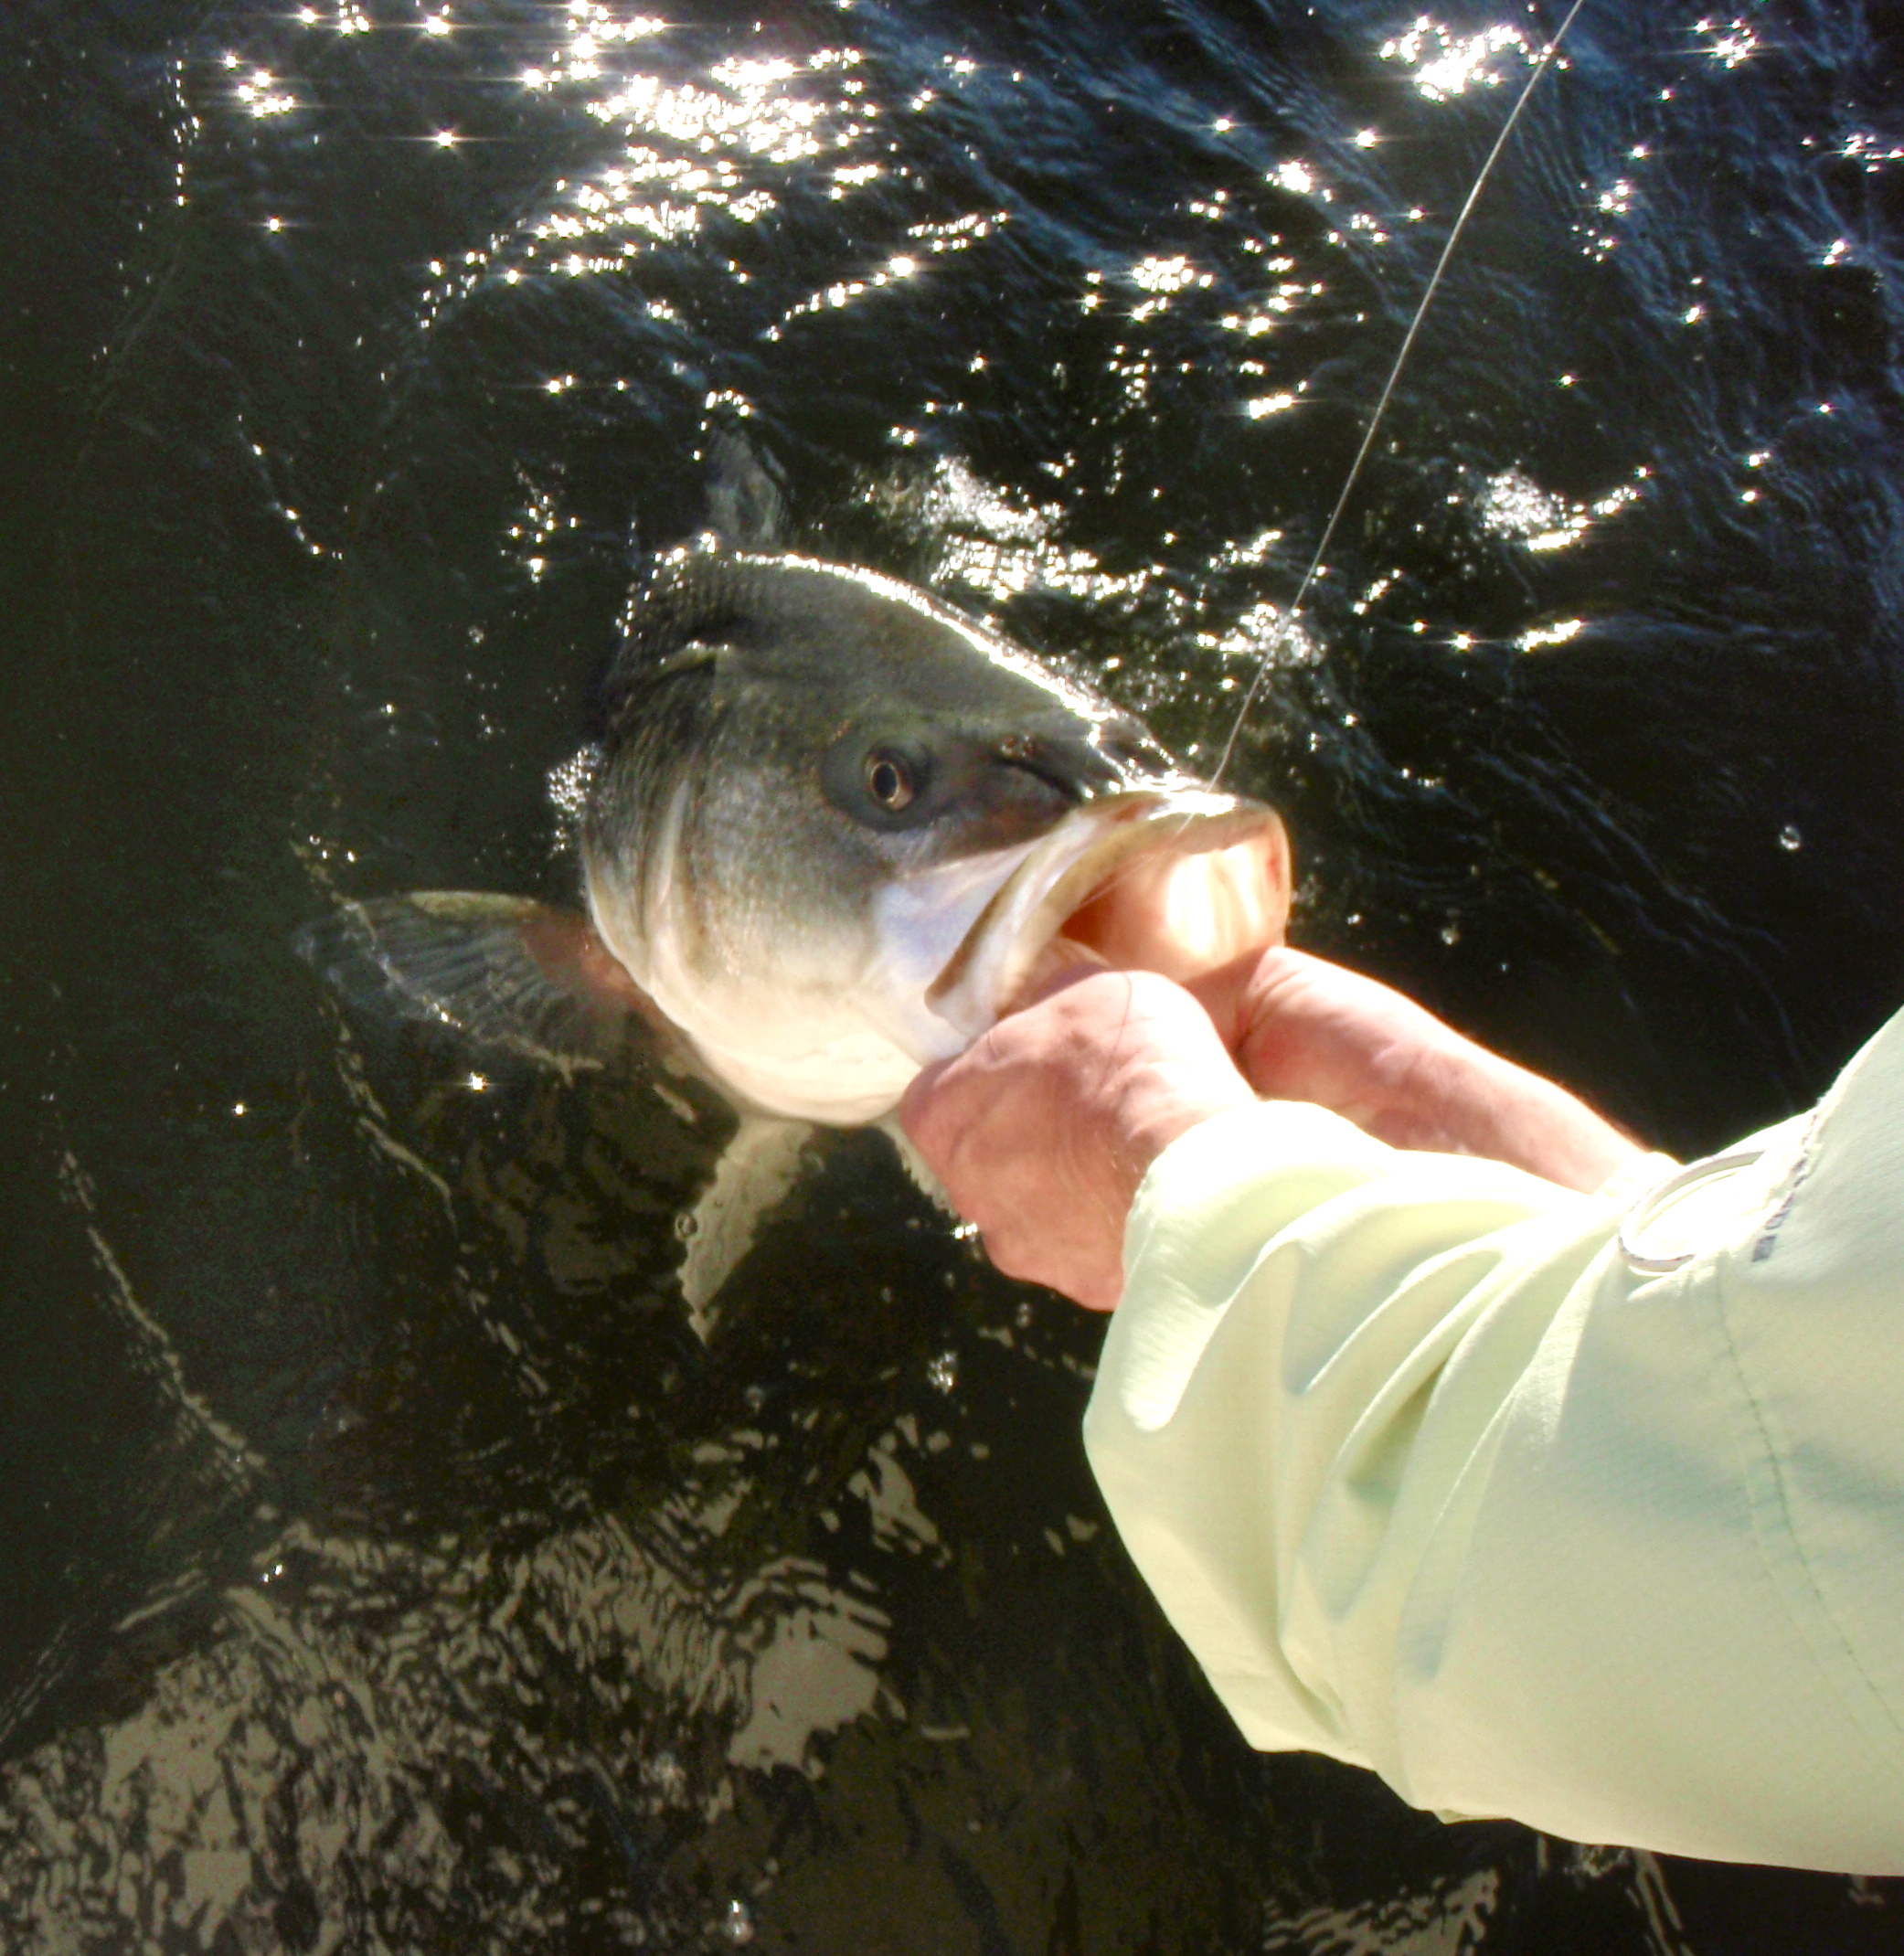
x=746, y=508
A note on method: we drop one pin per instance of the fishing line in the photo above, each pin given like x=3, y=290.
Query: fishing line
x=1293, y=614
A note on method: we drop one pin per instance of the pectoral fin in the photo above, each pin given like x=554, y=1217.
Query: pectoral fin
x=507, y=971
x=745, y=506
x=760, y=1164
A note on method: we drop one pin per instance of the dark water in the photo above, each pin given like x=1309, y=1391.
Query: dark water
x=388, y=1566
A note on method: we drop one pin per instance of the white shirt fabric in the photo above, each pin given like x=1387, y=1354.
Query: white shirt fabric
x=1432, y=1478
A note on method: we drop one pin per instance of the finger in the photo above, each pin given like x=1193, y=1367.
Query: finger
x=926, y=1112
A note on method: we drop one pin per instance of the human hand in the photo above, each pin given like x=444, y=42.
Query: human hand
x=1041, y=1131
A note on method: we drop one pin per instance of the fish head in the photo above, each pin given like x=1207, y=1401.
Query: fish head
x=836, y=829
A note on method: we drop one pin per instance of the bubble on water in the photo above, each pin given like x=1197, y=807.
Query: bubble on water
x=1789, y=840
x=567, y=784
x=942, y=1372
x=737, y=1924
x=1450, y=933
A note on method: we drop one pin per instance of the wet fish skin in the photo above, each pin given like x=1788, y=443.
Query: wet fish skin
x=735, y=847
x=750, y=699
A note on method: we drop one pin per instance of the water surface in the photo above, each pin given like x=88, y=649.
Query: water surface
x=390, y=1567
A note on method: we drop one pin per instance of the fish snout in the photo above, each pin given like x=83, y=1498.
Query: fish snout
x=1085, y=762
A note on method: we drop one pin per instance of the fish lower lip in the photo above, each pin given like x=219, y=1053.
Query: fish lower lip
x=1173, y=880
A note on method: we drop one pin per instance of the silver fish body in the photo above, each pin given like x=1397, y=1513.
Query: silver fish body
x=835, y=829
x=831, y=832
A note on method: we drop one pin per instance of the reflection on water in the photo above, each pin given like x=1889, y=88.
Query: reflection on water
x=391, y=1563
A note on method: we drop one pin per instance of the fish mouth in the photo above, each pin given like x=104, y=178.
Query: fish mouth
x=1175, y=880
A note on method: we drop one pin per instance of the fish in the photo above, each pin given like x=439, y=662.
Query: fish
x=832, y=830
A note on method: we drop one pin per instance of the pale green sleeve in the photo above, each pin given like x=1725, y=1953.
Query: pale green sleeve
x=1431, y=1478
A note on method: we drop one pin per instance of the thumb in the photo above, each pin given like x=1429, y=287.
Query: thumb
x=918, y=1103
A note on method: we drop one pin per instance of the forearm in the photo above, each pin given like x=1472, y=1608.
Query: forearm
x=1432, y=1480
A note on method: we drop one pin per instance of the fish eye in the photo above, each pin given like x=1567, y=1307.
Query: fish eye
x=888, y=780
x=884, y=781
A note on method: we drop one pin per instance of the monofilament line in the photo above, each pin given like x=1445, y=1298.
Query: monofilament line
x=1292, y=616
